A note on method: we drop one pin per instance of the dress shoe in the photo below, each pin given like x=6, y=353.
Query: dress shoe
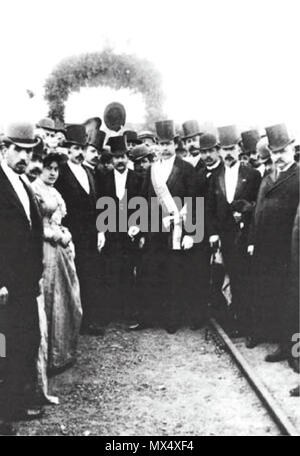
x=280, y=354
x=92, y=330
x=28, y=414
x=251, y=342
x=295, y=392
x=7, y=429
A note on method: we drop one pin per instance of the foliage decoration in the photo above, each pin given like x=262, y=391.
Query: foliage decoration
x=104, y=69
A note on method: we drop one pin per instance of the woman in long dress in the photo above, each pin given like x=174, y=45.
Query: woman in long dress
x=60, y=281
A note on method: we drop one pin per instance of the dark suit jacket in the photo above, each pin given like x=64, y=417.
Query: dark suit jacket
x=219, y=212
x=21, y=246
x=81, y=209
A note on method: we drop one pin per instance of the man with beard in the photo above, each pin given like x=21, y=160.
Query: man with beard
x=21, y=267
x=142, y=158
x=275, y=213
x=77, y=187
x=93, y=150
x=166, y=283
x=117, y=245
x=230, y=203
x=191, y=138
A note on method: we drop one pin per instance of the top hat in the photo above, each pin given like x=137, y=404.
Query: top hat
x=249, y=140
x=140, y=152
x=96, y=139
x=263, y=150
x=165, y=130
x=278, y=137
x=131, y=136
x=114, y=116
x=93, y=122
x=228, y=136
x=76, y=135
x=21, y=134
x=208, y=141
x=146, y=134
x=117, y=145
x=190, y=128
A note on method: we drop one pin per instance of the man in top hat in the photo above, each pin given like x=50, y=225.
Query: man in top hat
x=147, y=137
x=77, y=187
x=264, y=160
x=191, y=138
x=117, y=245
x=93, y=149
x=131, y=138
x=248, y=154
x=230, y=203
x=165, y=261
x=271, y=239
x=21, y=267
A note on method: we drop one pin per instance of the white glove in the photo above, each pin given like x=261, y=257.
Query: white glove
x=3, y=296
x=101, y=241
x=214, y=238
x=133, y=231
x=187, y=242
x=237, y=216
x=167, y=221
x=250, y=249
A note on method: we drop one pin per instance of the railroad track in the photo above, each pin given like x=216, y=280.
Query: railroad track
x=224, y=343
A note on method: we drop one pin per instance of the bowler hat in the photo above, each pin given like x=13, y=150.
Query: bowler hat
x=117, y=145
x=165, y=130
x=146, y=134
x=228, y=136
x=76, y=135
x=21, y=134
x=115, y=116
x=263, y=150
x=249, y=140
x=131, y=136
x=208, y=141
x=190, y=128
x=140, y=152
x=278, y=137
x=47, y=124
x=96, y=139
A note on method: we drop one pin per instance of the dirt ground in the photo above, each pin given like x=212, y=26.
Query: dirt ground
x=151, y=383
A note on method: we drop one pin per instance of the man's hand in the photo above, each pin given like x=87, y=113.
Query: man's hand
x=214, y=239
x=133, y=231
x=237, y=217
x=3, y=296
x=101, y=241
x=250, y=250
x=187, y=242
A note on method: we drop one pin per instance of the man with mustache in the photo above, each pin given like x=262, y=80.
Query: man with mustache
x=270, y=244
x=21, y=267
x=190, y=139
x=93, y=150
x=77, y=187
x=117, y=246
x=231, y=199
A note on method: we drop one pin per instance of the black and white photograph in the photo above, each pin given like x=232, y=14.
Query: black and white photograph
x=149, y=221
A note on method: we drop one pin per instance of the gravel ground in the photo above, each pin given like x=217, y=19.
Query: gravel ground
x=278, y=377
x=151, y=383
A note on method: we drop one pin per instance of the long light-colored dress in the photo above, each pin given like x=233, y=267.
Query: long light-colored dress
x=60, y=281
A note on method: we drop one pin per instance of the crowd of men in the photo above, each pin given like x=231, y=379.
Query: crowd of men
x=243, y=267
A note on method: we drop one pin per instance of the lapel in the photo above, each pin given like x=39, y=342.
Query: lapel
x=242, y=180
x=90, y=176
x=283, y=177
x=171, y=181
x=8, y=190
x=74, y=182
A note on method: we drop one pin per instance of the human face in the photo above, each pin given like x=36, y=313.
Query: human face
x=76, y=154
x=244, y=159
x=210, y=156
x=60, y=138
x=142, y=165
x=17, y=158
x=51, y=139
x=254, y=159
x=230, y=155
x=34, y=168
x=50, y=173
x=91, y=156
x=167, y=149
x=283, y=157
x=120, y=162
x=193, y=145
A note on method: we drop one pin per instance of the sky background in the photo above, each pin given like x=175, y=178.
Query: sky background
x=226, y=61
